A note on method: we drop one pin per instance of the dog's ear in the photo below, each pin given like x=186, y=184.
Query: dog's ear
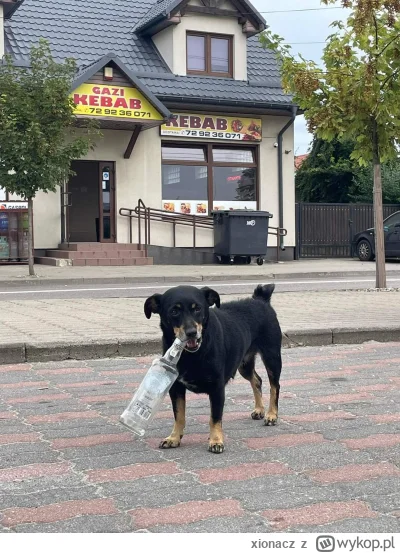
x=212, y=297
x=152, y=305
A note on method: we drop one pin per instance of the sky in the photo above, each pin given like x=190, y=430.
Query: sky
x=310, y=29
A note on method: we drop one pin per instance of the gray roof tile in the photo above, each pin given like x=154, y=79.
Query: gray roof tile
x=160, y=9
x=88, y=30
x=215, y=89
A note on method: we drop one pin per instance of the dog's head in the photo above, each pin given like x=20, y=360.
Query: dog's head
x=184, y=310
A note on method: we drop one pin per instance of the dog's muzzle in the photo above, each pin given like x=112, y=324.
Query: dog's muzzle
x=193, y=344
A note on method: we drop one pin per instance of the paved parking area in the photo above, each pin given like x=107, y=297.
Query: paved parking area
x=332, y=464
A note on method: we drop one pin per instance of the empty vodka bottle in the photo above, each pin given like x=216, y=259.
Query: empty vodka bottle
x=151, y=392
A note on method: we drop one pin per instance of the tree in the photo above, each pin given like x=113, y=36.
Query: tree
x=38, y=137
x=355, y=95
x=327, y=174
x=362, y=188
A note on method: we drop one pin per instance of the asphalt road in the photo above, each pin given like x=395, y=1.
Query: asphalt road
x=86, y=291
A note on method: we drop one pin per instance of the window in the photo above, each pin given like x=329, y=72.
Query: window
x=209, y=54
x=200, y=179
x=393, y=220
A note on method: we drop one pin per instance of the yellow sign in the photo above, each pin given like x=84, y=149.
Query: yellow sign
x=213, y=126
x=111, y=101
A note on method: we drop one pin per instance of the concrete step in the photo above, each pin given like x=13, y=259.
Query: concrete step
x=94, y=262
x=90, y=246
x=83, y=254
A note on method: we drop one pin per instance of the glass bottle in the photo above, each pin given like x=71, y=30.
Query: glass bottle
x=151, y=392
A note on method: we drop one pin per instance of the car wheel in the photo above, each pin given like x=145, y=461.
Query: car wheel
x=364, y=251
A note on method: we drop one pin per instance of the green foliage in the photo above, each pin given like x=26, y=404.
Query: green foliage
x=38, y=133
x=356, y=95
x=363, y=184
x=327, y=174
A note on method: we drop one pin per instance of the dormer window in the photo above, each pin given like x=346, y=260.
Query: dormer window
x=209, y=54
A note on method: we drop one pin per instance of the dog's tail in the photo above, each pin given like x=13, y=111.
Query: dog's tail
x=264, y=292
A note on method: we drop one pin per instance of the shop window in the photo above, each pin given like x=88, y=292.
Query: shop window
x=200, y=179
x=209, y=54
x=8, y=197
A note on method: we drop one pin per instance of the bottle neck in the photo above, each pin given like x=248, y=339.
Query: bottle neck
x=173, y=354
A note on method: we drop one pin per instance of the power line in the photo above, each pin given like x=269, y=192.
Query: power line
x=305, y=10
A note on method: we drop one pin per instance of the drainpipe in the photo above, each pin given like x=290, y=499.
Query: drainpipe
x=280, y=171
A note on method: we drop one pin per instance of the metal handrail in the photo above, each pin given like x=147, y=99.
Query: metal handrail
x=148, y=214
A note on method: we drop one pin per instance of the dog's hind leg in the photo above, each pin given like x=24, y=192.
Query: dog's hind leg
x=178, y=398
x=248, y=371
x=273, y=363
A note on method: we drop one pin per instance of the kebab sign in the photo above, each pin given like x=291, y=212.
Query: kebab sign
x=108, y=101
x=214, y=127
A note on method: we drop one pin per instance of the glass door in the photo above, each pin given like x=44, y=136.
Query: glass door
x=107, y=202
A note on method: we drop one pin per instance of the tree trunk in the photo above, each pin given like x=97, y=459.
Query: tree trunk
x=378, y=213
x=30, y=238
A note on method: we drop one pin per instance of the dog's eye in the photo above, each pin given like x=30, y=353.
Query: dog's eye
x=174, y=313
x=197, y=309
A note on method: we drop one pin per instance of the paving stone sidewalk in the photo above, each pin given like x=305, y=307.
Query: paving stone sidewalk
x=14, y=275
x=74, y=320
x=331, y=465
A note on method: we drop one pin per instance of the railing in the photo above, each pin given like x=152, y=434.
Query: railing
x=148, y=214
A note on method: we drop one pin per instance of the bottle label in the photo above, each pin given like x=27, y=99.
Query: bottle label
x=142, y=410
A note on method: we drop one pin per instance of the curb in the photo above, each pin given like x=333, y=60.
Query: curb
x=62, y=351
x=40, y=281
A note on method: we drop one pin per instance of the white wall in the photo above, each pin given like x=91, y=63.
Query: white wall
x=269, y=192
x=164, y=42
x=171, y=42
x=140, y=177
x=47, y=220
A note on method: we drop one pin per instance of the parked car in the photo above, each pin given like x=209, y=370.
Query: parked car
x=364, y=242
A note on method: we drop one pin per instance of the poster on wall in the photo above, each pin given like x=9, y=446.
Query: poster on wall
x=214, y=127
x=201, y=207
x=13, y=205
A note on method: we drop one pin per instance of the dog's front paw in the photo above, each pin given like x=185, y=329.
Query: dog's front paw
x=170, y=442
x=258, y=414
x=216, y=447
x=270, y=419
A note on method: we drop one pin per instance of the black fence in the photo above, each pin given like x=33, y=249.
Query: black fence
x=327, y=230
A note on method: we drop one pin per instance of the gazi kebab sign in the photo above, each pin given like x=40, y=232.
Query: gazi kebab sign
x=108, y=101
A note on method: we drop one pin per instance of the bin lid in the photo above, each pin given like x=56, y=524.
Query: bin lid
x=243, y=213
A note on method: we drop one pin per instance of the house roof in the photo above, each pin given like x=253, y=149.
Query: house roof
x=299, y=160
x=10, y=6
x=161, y=9
x=101, y=26
x=86, y=73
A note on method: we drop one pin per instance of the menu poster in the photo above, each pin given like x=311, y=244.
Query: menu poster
x=200, y=207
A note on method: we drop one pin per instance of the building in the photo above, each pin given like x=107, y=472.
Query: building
x=191, y=109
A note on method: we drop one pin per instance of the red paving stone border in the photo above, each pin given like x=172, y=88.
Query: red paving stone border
x=354, y=473
x=185, y=513
x=90, y=441
x=34, y=471
x=242, y=472
x=57, y=512
x=132, y=472
x=377, y=440
x=284, y=440
x=319, y=416
x=342, y=398
x=19, y=438
x=59, y=417
x=319, y=513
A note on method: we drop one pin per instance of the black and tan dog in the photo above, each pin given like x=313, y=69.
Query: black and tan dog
x=220, y=342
